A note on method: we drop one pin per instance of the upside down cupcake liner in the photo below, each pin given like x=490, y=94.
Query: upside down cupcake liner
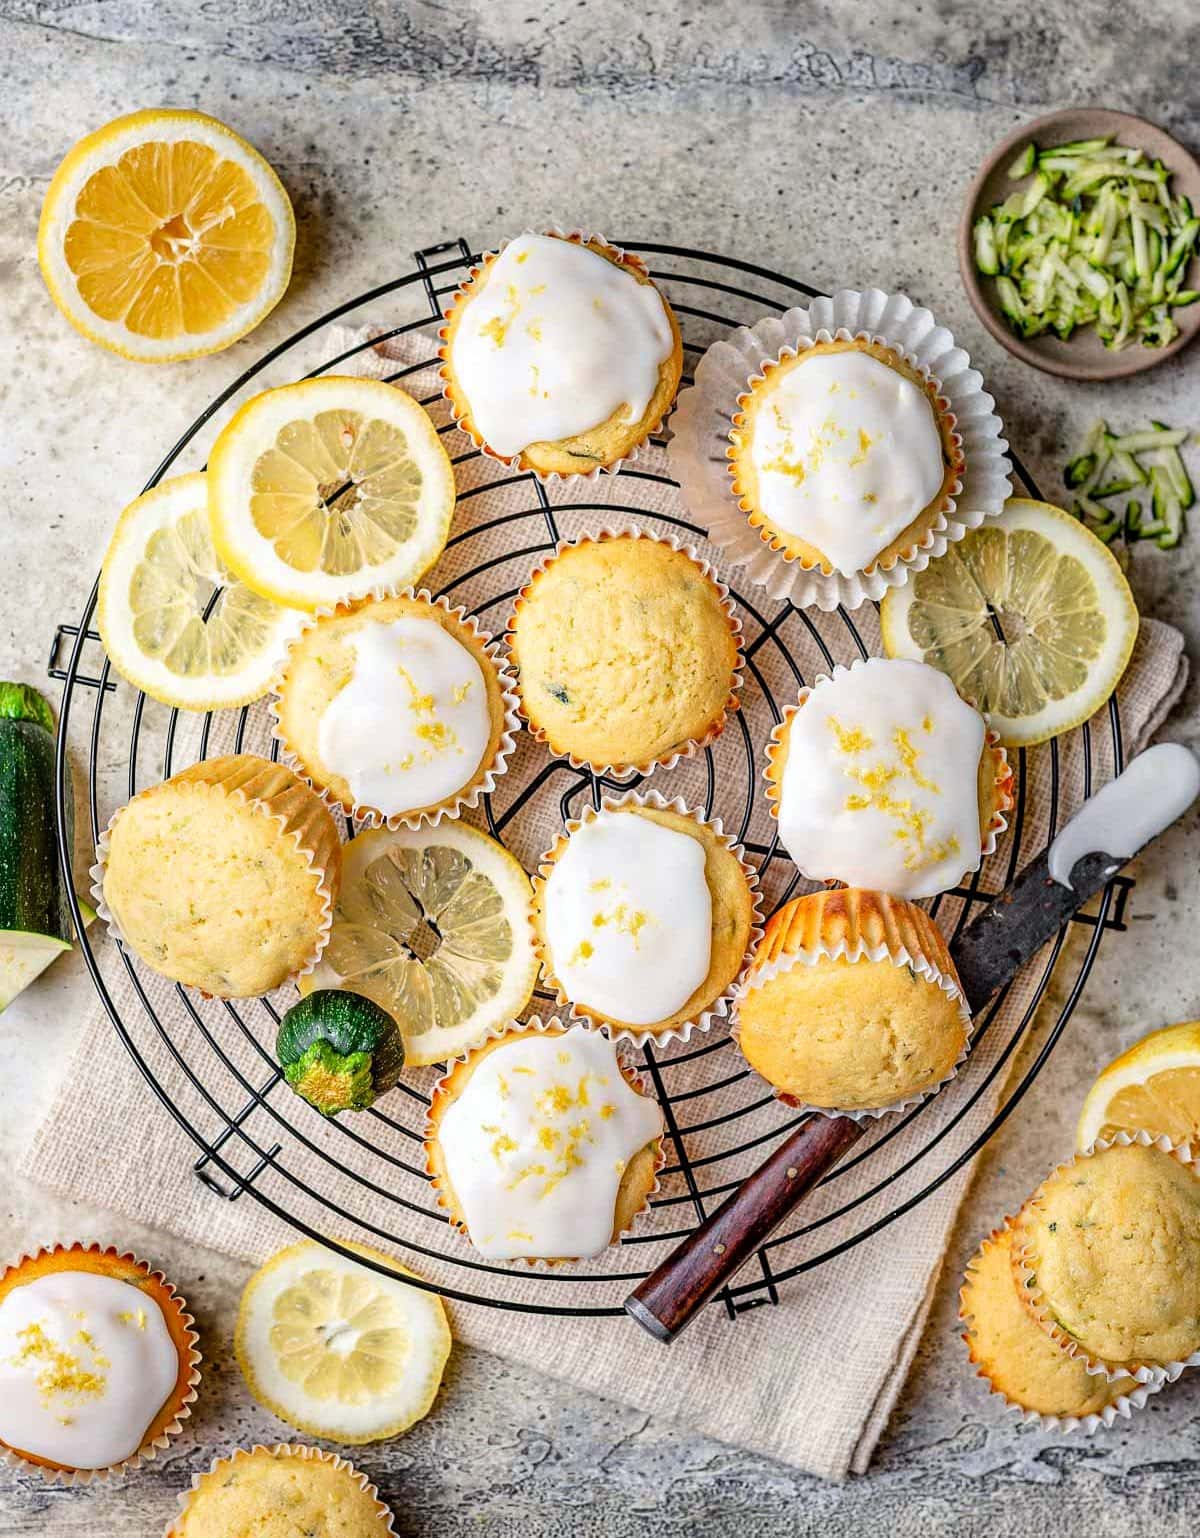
x=482, y=783
x=1147, y=1372
x=458, y=406
x=443, y=1094
x=1122, y=1407
x=911, y=940
x=732, y=701
x=256, y=784
x=720, y=1007
x=704, y=417
x=387, y=1525
x=772, y=774
x=105, y=1260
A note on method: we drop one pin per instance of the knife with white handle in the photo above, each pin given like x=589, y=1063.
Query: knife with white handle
x=1110, y=829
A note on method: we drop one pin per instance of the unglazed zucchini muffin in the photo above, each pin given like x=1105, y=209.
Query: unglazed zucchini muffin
x=1106, y=1254
x=843, y=456
x=851, y=1002
x=539, y=1146
x=643, y=915
x=561, y=355
x=97, y=1360
x=223, y=877
x=282, y=1492
x=884, y=777
x=394, y=707
x=626, y=652
x=1015, y=1357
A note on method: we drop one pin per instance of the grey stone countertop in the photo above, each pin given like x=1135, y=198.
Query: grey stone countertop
x=830, y=141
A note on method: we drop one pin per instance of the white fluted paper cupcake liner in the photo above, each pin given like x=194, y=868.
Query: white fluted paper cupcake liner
x=720, y=1007
x=703, y=419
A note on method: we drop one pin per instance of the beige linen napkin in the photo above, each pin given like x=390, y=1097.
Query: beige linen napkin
x=810, y=1380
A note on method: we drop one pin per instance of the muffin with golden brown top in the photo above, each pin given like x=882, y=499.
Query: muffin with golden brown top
x=1106, y=1254
x=224, y=876
x=1017, y=1359
x=844, y=456
x=396, y=708
x=540, y=1146
x=644, y=913
x=883, y=776
x=852, y=1003
x=626, y=650
x=560, y=355
x=285, y=1491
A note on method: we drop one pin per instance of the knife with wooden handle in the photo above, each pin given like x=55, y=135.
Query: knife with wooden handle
x=1156, y=789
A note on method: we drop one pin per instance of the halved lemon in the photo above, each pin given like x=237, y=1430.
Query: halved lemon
x=434, y=925
x=164, y=235
x=1154, y=1087
x=155, y=612
x=328, y=489
x=1029, y=614
x=336, y=1349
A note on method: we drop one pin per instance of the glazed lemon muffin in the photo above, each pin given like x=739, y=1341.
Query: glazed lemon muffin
x=282, y=1492
x=560, y=355
x=844, y=456
x=1016, y=1358
x=540, y=1147
x=644, y=913
x=626, y=652
x=98, y=1360
x=884, y=777
x=1106, y=1255
x=224, y=876
x=395, y=708
x=851, y=1003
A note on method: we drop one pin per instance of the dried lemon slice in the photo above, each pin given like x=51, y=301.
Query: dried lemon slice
x=329, y=489
x=434, y=925
x=164, y=235
x=339, y=1350
x=156, y=614
x=1029, y=614
x=1154, y=1087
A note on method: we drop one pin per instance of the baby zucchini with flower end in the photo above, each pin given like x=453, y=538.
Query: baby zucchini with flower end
x=339, y=1050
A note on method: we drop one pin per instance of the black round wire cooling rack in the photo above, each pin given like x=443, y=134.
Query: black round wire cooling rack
x=210, y=1062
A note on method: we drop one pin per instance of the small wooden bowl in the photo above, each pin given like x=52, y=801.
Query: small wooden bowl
x=1084, y=356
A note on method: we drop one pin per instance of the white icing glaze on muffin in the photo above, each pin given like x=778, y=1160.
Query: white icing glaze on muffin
x=556, y=342
x=847, y=453
x=537, y=1142
x=86, y=1363
x=628, y=918
x=880, y=788
x=412, y=725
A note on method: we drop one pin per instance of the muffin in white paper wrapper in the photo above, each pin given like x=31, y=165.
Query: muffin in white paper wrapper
x=1027, y=1277
x=695, y=745
x=244, y=1458
x=108, y=1261
x=445, y=1092
x=461, y=415
x=775, y=759
x=703, y=420
x=856, y=925
x=701, y=1019
x=481, y=784
x=995, y=1326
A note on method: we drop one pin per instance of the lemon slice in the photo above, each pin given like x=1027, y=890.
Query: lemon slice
x=156, y=584
x=1061, y=603
x=1154, y=1087
x=336, y=1349
x=164, y=236
x=328, y=489
x=434, y=925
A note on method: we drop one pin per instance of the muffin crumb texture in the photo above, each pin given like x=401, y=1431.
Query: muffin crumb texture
x=279, y=1493
x=1112, y=1242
